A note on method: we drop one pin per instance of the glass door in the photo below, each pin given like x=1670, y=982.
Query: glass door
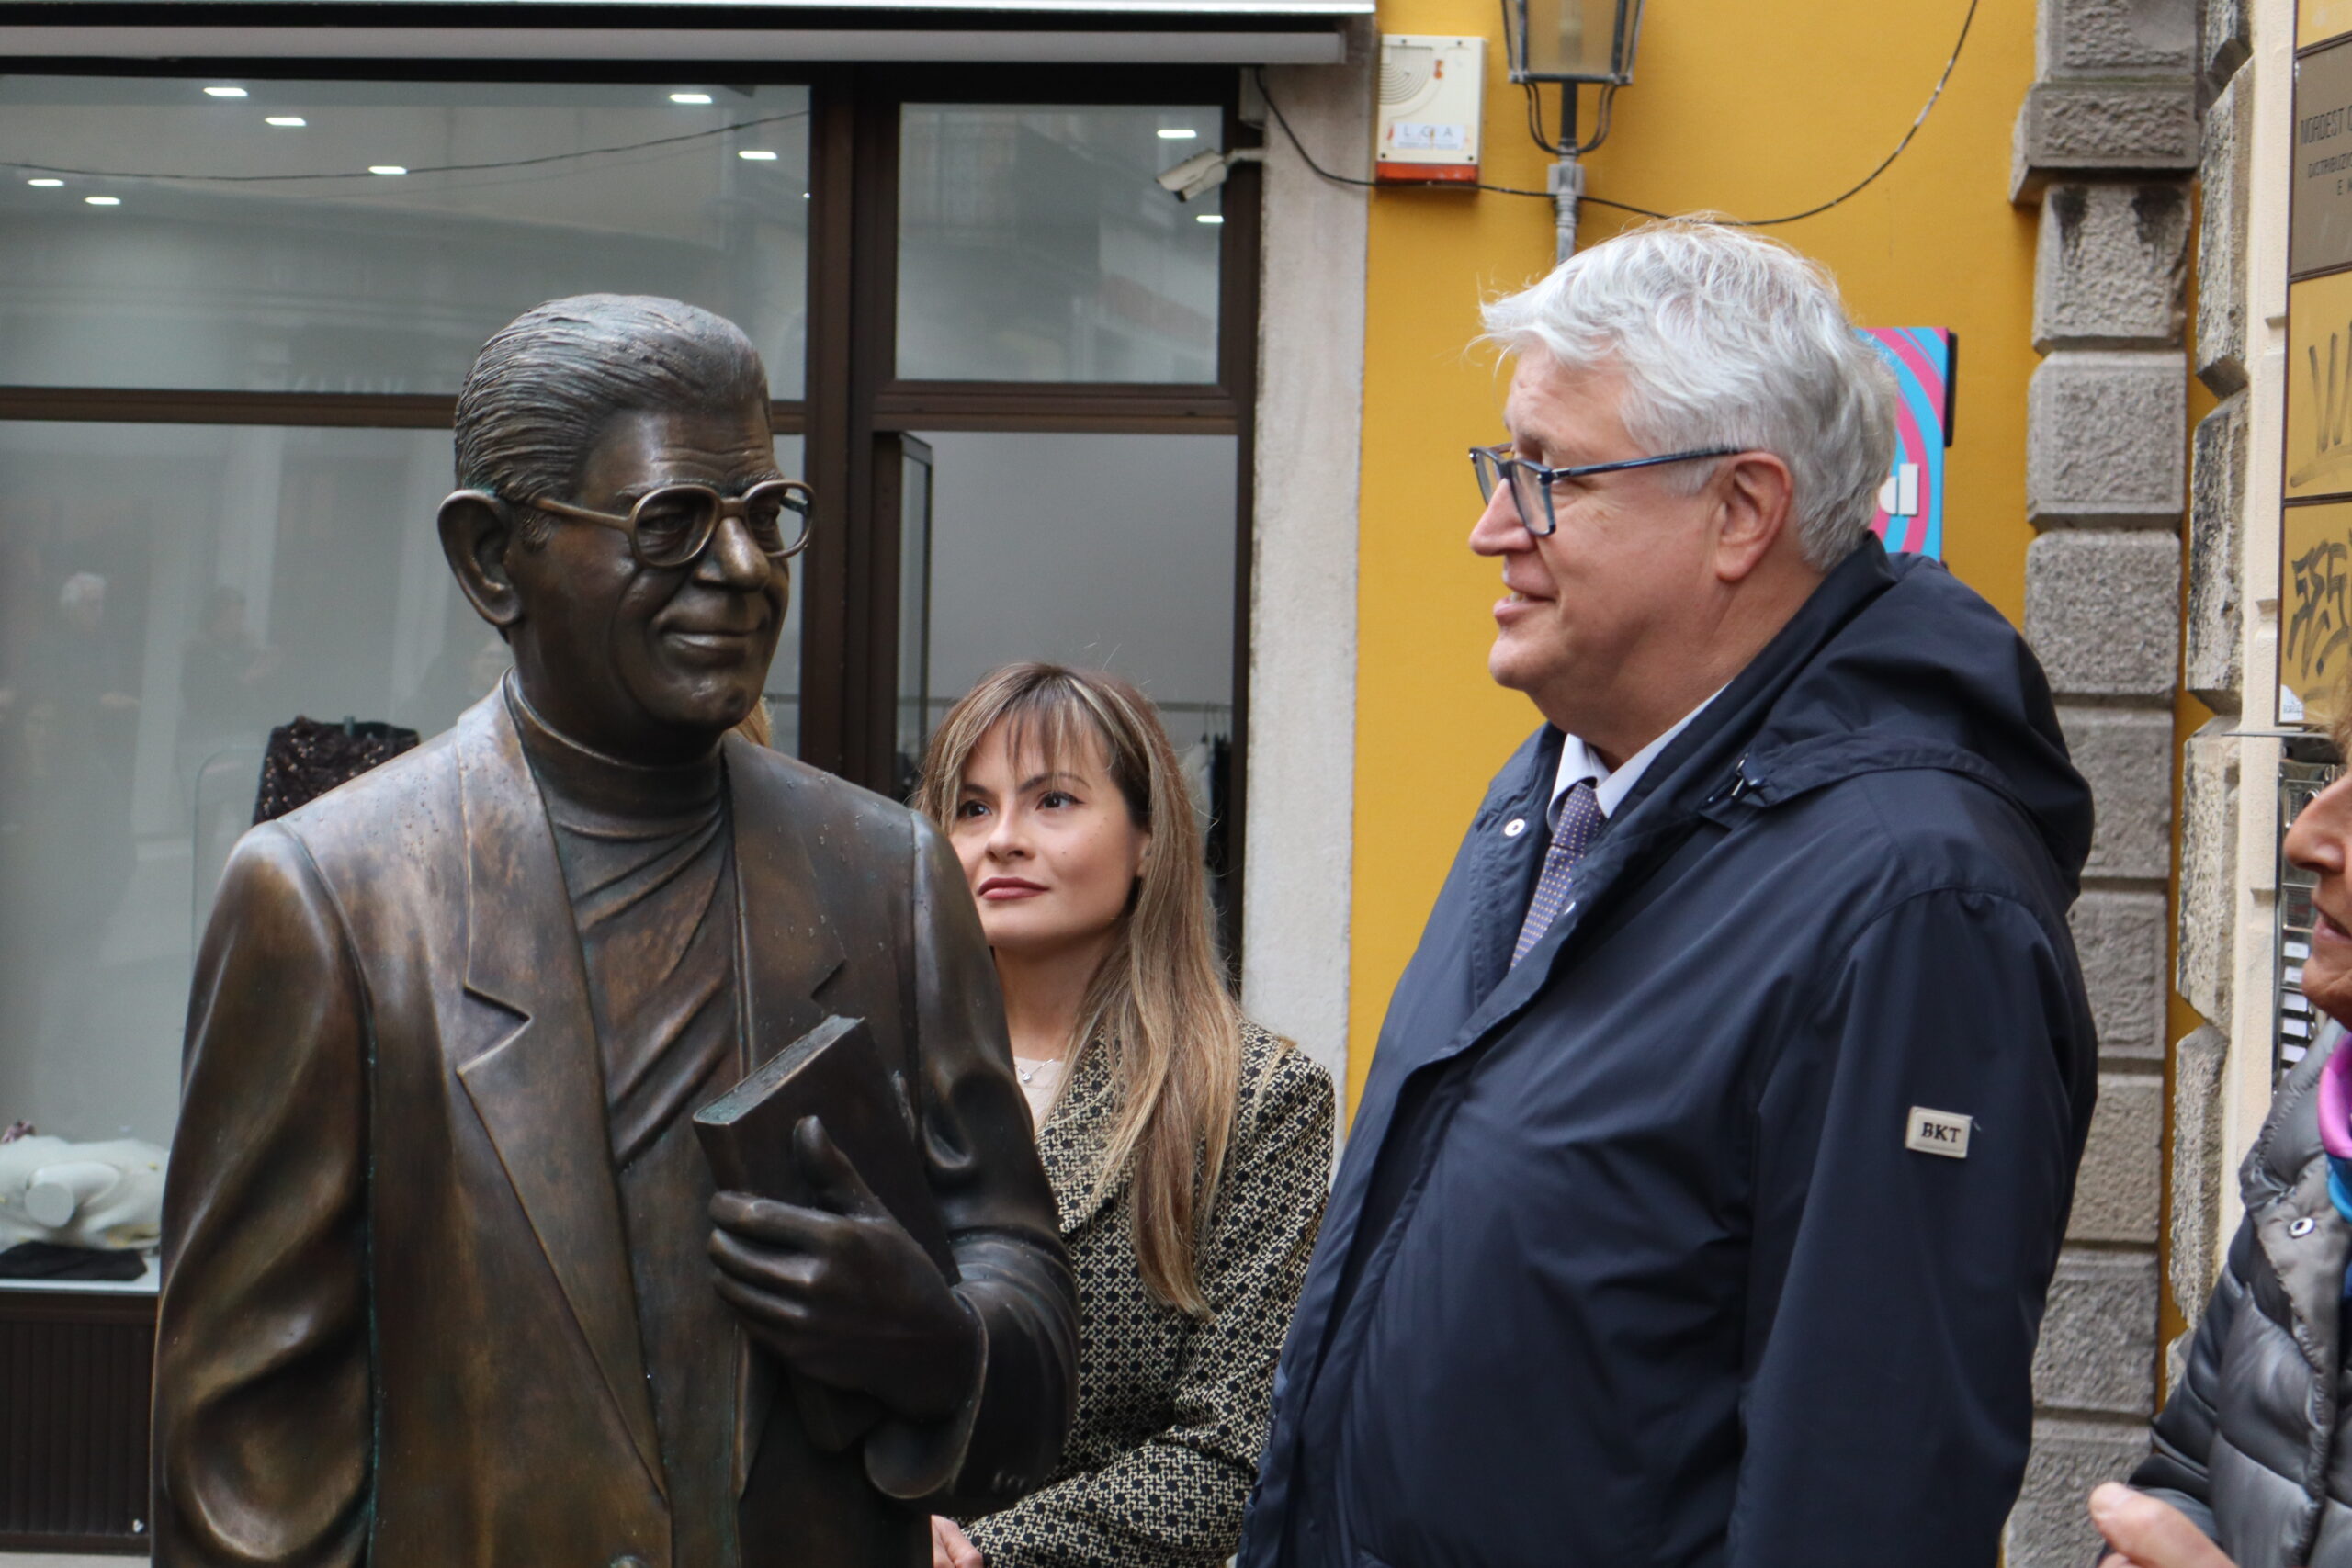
x=915, y=704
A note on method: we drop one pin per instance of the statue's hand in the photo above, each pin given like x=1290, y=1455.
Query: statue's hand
x=843, y=1292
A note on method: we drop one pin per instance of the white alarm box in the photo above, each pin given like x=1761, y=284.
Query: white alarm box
x=1433, y=98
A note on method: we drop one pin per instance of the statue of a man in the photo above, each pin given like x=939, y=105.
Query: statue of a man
x=445, y=1280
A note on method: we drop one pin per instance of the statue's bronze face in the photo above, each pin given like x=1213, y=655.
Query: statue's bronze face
x=642, y=662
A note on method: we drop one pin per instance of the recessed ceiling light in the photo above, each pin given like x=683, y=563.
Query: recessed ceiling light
x=224, y=91
x=690, y=97
x=102, y=201
x=1178, y=134
x=385, y=169
x=756, y=155
x=46, y=183
x=1210, y=218
x=284, y=119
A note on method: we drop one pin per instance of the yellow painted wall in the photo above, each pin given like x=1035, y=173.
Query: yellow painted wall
x=1750, y=108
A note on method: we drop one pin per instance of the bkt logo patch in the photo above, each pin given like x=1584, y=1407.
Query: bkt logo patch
x=1941, y=1132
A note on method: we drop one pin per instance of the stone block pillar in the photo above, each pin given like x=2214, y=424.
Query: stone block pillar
x=2105, y=142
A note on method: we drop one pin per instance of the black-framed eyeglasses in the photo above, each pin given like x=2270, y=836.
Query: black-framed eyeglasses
x=1530, y=484
x=673, y=526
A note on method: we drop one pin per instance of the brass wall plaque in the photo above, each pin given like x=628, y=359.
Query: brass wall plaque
x=2317, y=21
x=2318, y=459
x=2314, y=611
x=2320, y=235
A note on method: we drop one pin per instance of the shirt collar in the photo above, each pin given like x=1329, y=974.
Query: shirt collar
x=1579, y=764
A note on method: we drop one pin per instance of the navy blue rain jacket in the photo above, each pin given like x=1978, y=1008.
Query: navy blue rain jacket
x=1628, y=1262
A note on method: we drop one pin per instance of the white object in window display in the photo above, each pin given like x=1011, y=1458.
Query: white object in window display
x=107, y=1195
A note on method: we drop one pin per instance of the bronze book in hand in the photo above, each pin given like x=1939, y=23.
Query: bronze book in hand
x=834, y=1073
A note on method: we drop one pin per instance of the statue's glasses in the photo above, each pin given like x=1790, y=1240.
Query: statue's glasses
x=672, y=527
x=1530, y=484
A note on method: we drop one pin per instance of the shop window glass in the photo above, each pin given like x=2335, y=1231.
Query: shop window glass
x=1036, y=244
x=168, y=593
x=246, y=274
x=1105, y=551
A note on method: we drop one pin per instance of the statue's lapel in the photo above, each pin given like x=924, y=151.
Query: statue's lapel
x=788, y=949
x=538, y=1081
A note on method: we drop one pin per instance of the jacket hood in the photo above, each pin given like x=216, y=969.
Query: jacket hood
x=1894, y=664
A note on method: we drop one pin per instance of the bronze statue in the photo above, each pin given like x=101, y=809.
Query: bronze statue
x=446, y=1282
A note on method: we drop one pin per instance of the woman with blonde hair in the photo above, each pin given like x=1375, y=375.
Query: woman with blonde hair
x=1189, y=1150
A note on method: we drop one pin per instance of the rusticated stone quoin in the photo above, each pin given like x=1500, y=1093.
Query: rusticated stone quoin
x=2099, y=1334
x=2116, y=1194
x=2106, y=140
x=2049, y=1528
x=2102, y=611
x=2126, y=755
x=2226, y=41
x=2117, y=38
x=2103, y=439
x=2108, y=263
x=2212, y=663
x=2093, y=128
x=2193, y=1228
x=2120, y=940
x=2220, y=239
x=2209, y=843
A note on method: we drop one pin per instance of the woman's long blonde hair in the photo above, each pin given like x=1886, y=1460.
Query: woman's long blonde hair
x=1157, y=1003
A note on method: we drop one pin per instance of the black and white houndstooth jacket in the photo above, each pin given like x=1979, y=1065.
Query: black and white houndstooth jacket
x=1171, y=1410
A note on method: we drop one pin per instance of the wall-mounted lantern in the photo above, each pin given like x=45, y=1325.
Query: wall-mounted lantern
x=1571, y=42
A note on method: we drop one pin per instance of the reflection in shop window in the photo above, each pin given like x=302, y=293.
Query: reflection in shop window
x=225, y=263
x=168, y=594
x=1036, y=244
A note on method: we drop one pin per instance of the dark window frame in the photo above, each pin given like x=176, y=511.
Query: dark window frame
x=855, y=406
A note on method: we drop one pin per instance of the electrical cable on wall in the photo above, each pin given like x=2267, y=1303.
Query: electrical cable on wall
x=432, y=169
x=1535, y=125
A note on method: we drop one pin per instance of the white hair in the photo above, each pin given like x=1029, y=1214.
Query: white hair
x=1724, y=339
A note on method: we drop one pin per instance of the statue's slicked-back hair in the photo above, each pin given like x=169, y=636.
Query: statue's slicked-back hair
x=544, y=387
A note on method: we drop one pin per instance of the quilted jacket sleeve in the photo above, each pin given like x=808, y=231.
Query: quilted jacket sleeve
x=1176, y=1500
x=2182, y=1445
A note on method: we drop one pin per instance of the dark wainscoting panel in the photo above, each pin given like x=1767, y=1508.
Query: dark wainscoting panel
x=74, y=1372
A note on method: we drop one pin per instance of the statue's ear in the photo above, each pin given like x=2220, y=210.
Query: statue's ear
x=477, y=530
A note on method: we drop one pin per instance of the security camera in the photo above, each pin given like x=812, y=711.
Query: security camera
x=1204, y=171
x=1196, y=175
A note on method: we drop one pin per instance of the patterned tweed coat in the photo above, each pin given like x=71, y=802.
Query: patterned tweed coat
x=1171, y=1410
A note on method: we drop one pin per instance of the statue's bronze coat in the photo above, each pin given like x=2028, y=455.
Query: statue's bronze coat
x=398, y=1325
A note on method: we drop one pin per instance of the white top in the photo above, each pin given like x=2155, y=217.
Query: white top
x=1580, y=762
x=1038, y=1081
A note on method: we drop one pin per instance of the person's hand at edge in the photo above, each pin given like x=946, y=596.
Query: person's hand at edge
x=2147, y=1532
x=950, y=1546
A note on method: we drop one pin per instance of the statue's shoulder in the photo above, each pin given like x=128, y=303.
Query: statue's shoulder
x=389, y=834
x=411, y=794
x=810, y=799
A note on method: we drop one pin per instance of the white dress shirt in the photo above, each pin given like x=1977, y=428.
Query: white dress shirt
x=1580, y=763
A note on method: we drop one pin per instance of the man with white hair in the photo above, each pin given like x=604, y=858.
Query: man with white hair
x=1713, y=1163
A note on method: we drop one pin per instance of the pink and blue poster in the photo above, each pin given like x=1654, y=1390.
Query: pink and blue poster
x=1911, y=503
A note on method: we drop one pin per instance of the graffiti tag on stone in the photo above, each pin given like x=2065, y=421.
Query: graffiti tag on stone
x=2320, y=625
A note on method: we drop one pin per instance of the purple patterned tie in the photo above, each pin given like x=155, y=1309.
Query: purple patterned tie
x=1580, y=823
